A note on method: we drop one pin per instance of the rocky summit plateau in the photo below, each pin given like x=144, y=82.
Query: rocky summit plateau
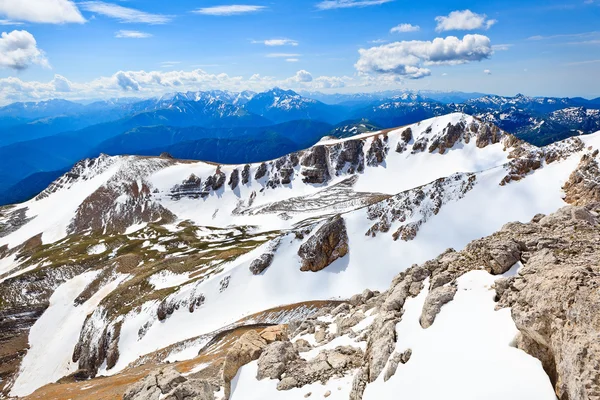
x=446, y=259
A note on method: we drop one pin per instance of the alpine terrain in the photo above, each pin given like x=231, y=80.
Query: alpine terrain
x=442, y=259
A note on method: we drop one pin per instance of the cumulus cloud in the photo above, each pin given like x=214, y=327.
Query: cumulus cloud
x=125, y=14
x=276, y=42
x=18, y=50
x=234, y=9
x=303, y=76
x=487, y=72
x=403, y=28
x=61, y=84
x=408, y=58
x=292, y=59
x=124, y=34
x=465, y=20
x=333, y=4
x=41, y=11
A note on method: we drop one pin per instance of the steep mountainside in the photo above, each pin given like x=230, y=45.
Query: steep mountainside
x=127, y=263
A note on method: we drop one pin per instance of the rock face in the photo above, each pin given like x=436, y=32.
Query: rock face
x=328, y=244
x=168, y=384
x=555, y=299
x=315, y=165
x=583, y=186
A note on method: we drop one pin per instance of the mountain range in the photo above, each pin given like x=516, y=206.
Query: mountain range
x=426, y=260
x=40, y=141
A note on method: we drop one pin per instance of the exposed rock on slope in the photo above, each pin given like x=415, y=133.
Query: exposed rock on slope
x=168, y=384
x=583, y=186
x=329, y=243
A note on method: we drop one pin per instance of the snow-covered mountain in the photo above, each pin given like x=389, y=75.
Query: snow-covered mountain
x=286, y=105
x=126, y=263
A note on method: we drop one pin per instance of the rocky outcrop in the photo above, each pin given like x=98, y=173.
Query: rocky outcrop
x=326, y=365
x=113, y=208
x=347, y=157
x=424, y=201
x=583, y=186
x=450, y=135
x=377, y=151
x=261, y=171
x=264, y=261
x=434, y=302
x=246, y=174
x=487, y=134
x=405, y=138
x=329, y=243
x=247, y=348
x=555, y=297
x=274, y=359
x=168, y=384
x=315, y=168
x=234, y=179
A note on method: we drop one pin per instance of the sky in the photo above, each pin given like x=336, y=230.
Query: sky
x=141, y=48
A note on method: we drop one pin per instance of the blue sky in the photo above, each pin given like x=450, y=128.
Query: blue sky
x=90, y=49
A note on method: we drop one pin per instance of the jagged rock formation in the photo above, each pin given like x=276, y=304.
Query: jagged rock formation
x=583, y=186
x=168, y=384
x=329, y=243
x=426, y=201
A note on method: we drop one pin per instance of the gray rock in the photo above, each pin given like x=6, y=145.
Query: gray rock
x=287, y=383
x=434, y=302
x=274, y=358
x=328, y=244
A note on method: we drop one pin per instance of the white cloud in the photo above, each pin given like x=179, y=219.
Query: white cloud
x=61, y=84
x=41, y=11
x=276, y=42
x=333, y=4
x=292, y=59
x=303, y=76
x=18, y=50
x=408, y=58
x=487, y=72
x=403, y=28
x=155, y=83
x=124, y=14
x=378, y=41
x=501, y=47
x=234, y=9
x=123, y=34
x=9, y=22
x=283, y=55
x=465, y=20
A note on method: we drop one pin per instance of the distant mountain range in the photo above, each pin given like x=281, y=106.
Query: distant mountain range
x=39, y=141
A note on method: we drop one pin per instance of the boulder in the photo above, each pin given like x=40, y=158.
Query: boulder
x=276, y=333
x=329, y=243
x=274, y=359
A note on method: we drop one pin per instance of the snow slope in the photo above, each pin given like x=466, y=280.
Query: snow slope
x=372, y=261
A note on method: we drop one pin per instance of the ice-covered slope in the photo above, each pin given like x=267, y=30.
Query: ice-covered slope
x=181, y=239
